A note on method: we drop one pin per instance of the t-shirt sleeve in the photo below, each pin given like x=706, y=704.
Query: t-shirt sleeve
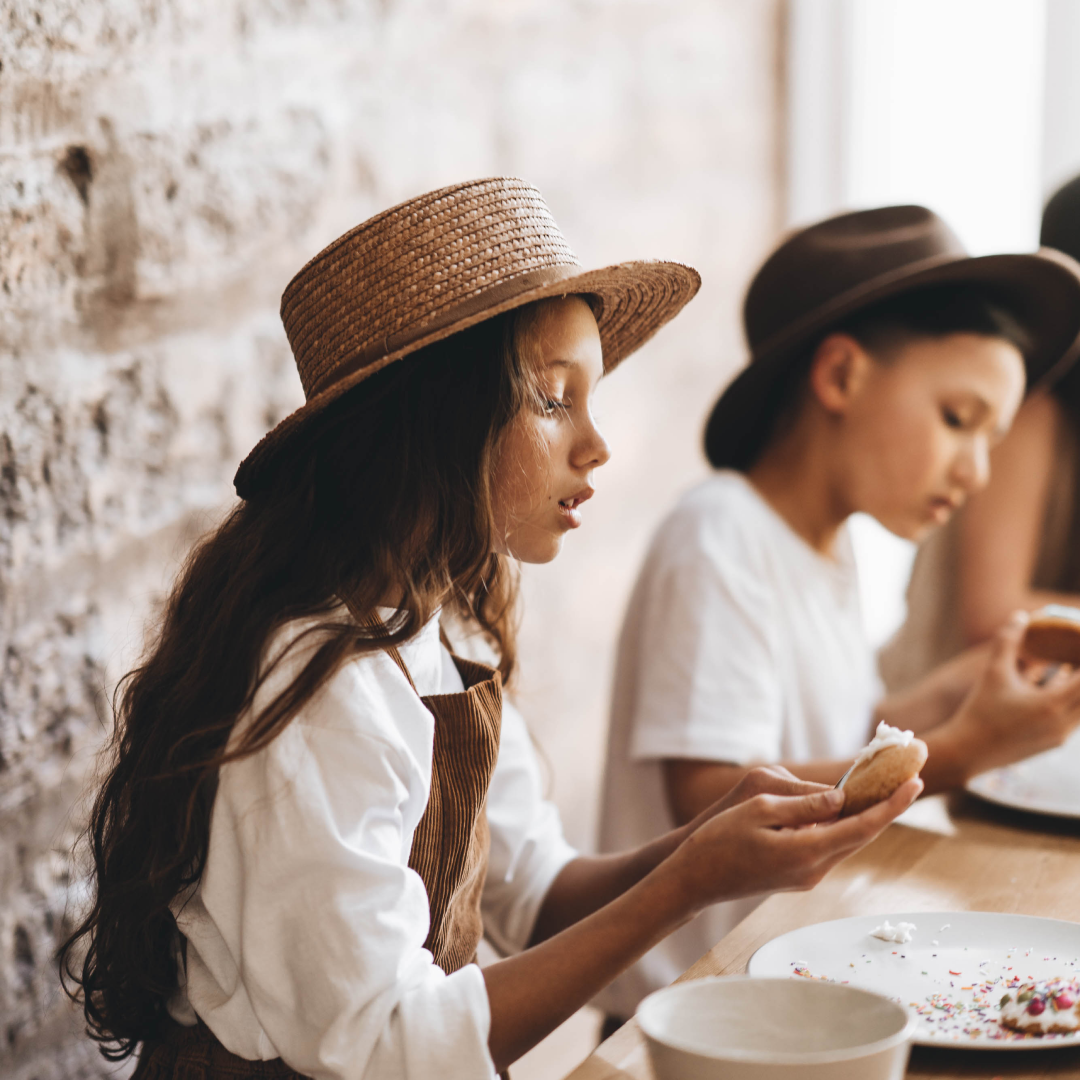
x=527, y=846
x=707, y=680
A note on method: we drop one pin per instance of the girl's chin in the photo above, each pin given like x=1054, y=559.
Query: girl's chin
x=916, y=531
x=535, y=550
x=907, y=527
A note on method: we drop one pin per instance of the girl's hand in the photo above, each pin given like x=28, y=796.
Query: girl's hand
x=761, y=780
x=762, y=843
x=1007, y=716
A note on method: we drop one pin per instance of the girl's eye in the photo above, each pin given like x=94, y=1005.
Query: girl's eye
x=552, y=404
x=953, y=419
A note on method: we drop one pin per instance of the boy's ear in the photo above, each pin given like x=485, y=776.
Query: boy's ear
x=837, y=371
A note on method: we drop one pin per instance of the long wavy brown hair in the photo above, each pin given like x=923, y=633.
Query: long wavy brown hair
x=389, y=496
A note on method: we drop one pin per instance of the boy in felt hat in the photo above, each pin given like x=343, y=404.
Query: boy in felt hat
x=885, y=363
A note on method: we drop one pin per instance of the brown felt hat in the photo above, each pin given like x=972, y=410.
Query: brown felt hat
x=435, y=265
x=823, y=274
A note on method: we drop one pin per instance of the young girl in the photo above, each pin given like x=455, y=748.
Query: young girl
x=315, y=809
x=1017, y=543
x=885, y=363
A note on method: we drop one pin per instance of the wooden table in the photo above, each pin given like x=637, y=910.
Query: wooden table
x=947, y=855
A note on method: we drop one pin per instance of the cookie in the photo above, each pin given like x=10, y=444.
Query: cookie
x=1054, y=635
x=1050, y=1007
x=879, y=776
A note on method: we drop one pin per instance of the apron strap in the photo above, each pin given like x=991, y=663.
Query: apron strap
x=394, y=655
x=373, y=622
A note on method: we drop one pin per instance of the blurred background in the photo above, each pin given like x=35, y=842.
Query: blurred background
x=166, y=165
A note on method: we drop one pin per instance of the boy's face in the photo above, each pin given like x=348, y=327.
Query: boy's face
x=920, y=424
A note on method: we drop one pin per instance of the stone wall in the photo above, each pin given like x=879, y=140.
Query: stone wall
x=165, y=165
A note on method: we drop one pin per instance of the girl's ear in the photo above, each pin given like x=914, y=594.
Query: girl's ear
x=837, y=371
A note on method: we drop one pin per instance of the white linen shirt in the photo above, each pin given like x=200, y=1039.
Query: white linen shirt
x=741, y=644
x=304, y=935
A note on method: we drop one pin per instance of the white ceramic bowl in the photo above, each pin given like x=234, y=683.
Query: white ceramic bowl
x=743, y=1028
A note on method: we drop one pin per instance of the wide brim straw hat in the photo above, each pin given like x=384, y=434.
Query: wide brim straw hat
x=824, y=274
x=433, y=266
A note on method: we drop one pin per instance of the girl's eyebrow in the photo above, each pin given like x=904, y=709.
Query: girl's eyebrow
x=571, y=366
x=983, y=409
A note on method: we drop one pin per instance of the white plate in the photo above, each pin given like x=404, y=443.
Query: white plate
x=1045, y=784
x=955, y=985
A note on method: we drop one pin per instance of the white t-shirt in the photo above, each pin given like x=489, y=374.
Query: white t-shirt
x=305, y=933
x=741, y=644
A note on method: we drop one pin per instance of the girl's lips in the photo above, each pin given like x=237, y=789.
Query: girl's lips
x=568, y=508
x=942, y=509
x=570, y=514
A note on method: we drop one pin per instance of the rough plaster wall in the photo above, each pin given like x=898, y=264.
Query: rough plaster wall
x=165, y=165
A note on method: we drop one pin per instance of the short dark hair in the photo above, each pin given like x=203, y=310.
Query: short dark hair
x=933, y=312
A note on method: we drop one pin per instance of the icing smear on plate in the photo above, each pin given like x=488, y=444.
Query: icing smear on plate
x=900, y=933
x=885, y=736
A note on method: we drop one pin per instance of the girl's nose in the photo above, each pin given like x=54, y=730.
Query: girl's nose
x=973, y=465
x=592, y=450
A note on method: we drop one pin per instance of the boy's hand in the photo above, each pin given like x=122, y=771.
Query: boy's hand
x=761, y=844
x=1008, y=715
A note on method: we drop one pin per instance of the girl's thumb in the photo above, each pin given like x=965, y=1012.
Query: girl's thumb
x=809, y=809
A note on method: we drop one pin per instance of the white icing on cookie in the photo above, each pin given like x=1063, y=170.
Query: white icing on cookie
x=885, y=736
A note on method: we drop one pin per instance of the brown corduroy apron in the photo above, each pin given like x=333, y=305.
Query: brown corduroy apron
x=449, y=852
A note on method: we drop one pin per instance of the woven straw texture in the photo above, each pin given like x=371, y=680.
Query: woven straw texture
x=435, y=265
x=406, y=267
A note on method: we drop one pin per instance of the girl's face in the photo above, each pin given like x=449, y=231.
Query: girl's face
x=917, y=428
x=548, y=452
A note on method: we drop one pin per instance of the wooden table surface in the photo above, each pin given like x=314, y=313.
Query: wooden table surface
x=948, y=855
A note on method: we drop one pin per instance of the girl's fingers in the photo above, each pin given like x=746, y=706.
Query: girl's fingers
x=853, y=832
x=789, y=812
x=776, y=780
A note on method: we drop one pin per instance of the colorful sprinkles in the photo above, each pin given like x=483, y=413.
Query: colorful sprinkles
x=973, y=1010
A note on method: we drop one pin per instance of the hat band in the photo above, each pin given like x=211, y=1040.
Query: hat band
x=473, y=308
x=840, y=304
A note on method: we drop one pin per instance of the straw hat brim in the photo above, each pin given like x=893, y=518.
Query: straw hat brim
x=635, y=300
x=1041, y=289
